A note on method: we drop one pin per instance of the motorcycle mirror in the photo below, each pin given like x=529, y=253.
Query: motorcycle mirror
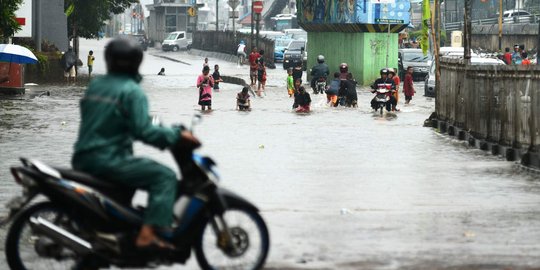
x=195, y=120
x=156, y=121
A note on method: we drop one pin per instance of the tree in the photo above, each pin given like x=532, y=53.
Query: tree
x=86, y=18
x=8, y=24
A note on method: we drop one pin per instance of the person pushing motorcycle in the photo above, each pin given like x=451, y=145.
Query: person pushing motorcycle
x=114, y=113
x=384, y=82
x=318, y=71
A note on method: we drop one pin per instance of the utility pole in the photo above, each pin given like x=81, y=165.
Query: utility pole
x=37, y=5
x=217, y=15
x=500, y=23
x=252, y=24
x=467, y=26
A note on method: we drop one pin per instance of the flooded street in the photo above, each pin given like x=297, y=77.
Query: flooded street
x=339, y=188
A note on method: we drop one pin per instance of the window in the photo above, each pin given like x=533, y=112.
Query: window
x=170, y=23
x=180, y=36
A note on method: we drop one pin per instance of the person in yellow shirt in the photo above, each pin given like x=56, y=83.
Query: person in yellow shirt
x=290, y=82
x=90, y=62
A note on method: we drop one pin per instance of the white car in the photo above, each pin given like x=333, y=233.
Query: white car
x=429, y=85
x=517, y=16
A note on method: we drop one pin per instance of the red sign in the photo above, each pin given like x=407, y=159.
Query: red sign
x=21, y=21
x=258, y=6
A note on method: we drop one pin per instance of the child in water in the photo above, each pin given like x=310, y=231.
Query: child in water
x=333, y=90
x=302, y=100
x=161, y=72
x=217, y=78
x=290, y=82
x=242, y=100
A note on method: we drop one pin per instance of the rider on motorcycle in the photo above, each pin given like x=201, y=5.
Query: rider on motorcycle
x=114, y=113
x=384, y=82
x=318, y=71
x=343, y=71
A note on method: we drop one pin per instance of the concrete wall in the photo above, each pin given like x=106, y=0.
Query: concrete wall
x=365, y=53
x=496, y=105
x=487, y=36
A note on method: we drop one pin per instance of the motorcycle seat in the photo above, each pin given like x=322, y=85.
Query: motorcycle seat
x=86, y=179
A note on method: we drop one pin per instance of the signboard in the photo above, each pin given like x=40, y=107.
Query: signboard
x=353, y=11
x=191, y=11
x=258, y=6
x=233, y=14
x=233, y=3
x=24, y=17
x=383, y=1
x=389, y=21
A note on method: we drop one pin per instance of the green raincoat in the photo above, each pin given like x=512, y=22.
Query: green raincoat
x=114, y=113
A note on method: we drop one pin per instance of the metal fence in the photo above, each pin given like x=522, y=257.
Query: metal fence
x=532, y=19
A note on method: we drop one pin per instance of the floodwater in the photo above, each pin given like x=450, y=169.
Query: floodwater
x=339, y=188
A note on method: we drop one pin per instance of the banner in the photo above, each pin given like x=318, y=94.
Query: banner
x=426, y=16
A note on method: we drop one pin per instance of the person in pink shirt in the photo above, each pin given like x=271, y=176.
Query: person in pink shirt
x=205, y=83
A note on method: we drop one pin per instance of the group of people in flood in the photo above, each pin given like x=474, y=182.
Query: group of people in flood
x=340, y=89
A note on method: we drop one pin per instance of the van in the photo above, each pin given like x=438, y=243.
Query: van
x=176, y=41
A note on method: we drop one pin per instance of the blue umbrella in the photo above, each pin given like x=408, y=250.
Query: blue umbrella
x=16, y=54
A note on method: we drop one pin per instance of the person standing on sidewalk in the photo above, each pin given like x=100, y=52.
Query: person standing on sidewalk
x=253, y=57
x=90, y=63
x=205, y=82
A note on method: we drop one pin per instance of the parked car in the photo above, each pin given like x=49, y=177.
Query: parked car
x=294, y=54
x=176, y=41
x=429, y=84
x=280, y=45
x=416, y=59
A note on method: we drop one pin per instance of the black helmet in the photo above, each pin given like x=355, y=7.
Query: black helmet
x=343, y=68
x=384, y=71
x=123, y=56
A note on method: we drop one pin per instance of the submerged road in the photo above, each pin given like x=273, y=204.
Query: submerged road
x=339, y=188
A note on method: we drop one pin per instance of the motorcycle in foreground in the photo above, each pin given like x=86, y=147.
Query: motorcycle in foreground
x=86, y=223
x=382, y=99
x=320, y=85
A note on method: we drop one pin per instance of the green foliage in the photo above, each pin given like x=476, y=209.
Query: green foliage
x=8, y=24
x=86, y=18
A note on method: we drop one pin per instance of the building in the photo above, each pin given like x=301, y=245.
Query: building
x=168, y=16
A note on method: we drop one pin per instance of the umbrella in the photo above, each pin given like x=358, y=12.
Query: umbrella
x=16, y=54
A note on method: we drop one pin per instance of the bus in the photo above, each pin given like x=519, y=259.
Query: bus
x=284, y=21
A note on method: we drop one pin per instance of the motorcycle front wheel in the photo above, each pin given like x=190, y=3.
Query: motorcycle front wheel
x=249, y=244
x=26, y=249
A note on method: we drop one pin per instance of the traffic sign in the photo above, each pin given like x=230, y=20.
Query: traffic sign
x=191, y=11
x=233, y=3
x=258, y=6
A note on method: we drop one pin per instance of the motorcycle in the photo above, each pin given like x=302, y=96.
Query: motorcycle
x=87, y=223
x=320, y=85
x=382, y=99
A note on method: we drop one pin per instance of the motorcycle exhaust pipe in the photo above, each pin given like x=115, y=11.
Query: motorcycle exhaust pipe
x=60, y=235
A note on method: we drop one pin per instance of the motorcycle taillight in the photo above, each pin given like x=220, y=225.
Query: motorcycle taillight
x=17, y=175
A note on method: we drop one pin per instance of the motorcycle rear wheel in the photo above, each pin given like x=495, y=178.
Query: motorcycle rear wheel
x=23, y=245
x=249, y=232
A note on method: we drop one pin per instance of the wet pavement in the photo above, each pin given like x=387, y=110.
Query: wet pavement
x=339, y=188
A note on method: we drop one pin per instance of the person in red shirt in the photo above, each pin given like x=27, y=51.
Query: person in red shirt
x=408, y=87
x=253, y=65
x=525, y=61
x=507, y=56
